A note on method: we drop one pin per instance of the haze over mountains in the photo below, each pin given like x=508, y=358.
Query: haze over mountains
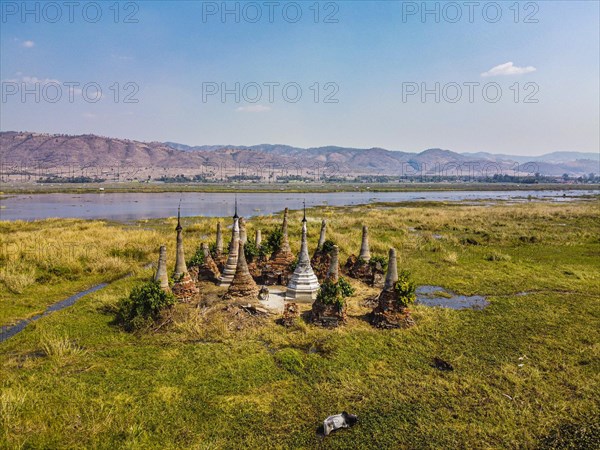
x=25, y=148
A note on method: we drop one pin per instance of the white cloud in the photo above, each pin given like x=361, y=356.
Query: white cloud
x=30, y=80
x=28, y=44
x=508, y=69
x=36, y=80
x=253, y=108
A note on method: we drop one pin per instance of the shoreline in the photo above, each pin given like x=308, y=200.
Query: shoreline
x=316, y=188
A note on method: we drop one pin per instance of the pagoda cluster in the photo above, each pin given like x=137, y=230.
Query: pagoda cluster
x=313, y=280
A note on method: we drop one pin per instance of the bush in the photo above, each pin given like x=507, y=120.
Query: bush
x=197, y=259
x=335, y=293
x=213, y=249
x=144, y=305
x=405, y=289
x=272, y=243
x=329, y=294
x=250, y=250
x=345, y=288
x=293, y=265
x=328, y=246
x=378, y=260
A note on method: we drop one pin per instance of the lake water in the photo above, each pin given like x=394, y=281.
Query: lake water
x=134, y=206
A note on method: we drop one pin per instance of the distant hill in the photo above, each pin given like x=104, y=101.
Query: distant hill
x=380, y=160
x=170, y=158
x=554, y=158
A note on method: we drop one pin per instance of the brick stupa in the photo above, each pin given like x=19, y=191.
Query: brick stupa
x=242, y=286
x=329, y=310
x=322, y=257
x=277, y=269
x=388, y=313
x=362, y=268
x=208, y=270
x=184, y=287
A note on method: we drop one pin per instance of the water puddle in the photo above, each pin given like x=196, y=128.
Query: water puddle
x=438, y=296
x=7, y=332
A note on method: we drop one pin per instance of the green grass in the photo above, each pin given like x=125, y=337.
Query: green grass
x=527, y=368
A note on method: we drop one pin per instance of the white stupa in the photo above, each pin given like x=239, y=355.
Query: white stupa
x=303, y=285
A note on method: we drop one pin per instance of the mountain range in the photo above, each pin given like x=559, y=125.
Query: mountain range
x=169, y=158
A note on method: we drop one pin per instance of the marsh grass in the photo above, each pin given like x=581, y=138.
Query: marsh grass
x=526, y=368
x=59, y=347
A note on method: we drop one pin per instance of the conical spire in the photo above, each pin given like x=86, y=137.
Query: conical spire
x=258, y=238
x=365, y=253
x=303, y=257
x=235, y=214
x=285, y=243
x=180, y=267
x=242, y=266
x=178, y=227
x=322, y=235
x=161, y=270
x=392, y=271
x=205, y=250
x=333, y=272
x=235, y=236
x=243, y=233
x=219, y=239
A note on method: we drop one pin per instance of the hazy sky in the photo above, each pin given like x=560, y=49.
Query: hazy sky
x=513, y=78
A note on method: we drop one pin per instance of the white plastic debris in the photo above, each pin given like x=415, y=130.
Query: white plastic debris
x=343, y=420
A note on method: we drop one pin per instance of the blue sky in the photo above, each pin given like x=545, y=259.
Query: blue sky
x=366, y=60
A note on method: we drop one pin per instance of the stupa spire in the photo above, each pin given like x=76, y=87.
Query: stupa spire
x=365, y=253
x=161, y=270
x=334, y=269
x=303, y=256
x=243, y=233
x=392, y=271
x=219, y=239
x=322, y=235
x=258, y=238
x=178, y=227
x=180, y=266
x=285, y=243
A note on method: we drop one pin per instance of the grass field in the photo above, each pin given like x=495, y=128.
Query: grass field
x=527, y=368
